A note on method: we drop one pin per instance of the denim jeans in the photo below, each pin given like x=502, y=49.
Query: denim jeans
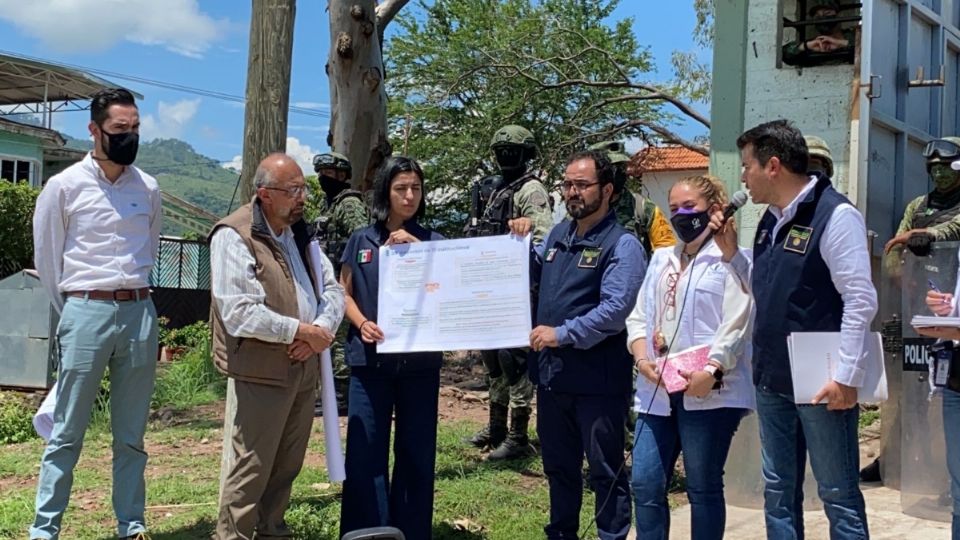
x=380, y=397
x=787, y=433
x=951, y=430
x=704, y=437
x=93, y=335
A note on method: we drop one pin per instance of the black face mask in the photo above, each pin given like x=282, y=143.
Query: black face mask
x=512, y=160
x=689, y=224
x=121, y=148
x=331, y=186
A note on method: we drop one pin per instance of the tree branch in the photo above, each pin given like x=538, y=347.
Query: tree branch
x=386, y=11
x=653, y=93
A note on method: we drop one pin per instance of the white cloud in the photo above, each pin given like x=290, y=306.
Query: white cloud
x=234, y=163
x=96, y=25
x=301, y=153
x=170, y=120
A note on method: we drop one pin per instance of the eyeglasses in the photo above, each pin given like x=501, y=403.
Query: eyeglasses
x=580, y=187
x=292, y=192
x=941, y=148
x=670, y=296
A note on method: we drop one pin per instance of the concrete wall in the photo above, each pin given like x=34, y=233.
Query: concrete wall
x=817, y=99
x=658, y=184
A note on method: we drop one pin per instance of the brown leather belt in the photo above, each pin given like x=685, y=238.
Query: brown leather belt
x=120, y=295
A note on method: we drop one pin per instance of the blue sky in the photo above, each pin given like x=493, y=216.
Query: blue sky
x=203, y=44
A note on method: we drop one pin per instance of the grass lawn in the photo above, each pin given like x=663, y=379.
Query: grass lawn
x=474, y=499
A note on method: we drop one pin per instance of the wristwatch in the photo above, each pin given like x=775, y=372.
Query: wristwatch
x=713, y=370
x=717, y=374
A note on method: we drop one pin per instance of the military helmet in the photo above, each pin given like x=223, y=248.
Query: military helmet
x=942, y=150
x=818, y=148
x=332, y=160
x=513, y=134
x=616, y=151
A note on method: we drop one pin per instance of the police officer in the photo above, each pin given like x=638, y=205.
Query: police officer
x=936, y=215
x=344, y=212
x=593, y=269
x=516, y=193
x=635, y=213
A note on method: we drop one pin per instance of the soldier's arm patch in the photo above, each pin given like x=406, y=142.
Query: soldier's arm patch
x=538, y=198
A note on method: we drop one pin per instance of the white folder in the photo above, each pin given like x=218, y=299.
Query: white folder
x=815, y=356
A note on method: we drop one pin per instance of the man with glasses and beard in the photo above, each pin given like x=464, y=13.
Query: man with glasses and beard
x=588, y=271
x=269, y=325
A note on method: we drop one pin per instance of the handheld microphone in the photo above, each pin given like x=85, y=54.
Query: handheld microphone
x=736, y=202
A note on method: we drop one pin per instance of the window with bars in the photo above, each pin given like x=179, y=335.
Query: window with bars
x=822, y=32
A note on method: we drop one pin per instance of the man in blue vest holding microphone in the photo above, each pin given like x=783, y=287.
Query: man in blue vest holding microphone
x=810, y=273
x=588, y=274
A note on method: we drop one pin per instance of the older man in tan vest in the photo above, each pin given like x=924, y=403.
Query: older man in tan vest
x=269, y=324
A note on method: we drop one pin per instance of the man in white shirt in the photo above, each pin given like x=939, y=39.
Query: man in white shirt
x=269, y=325
x=95, y=231
x=810, y=273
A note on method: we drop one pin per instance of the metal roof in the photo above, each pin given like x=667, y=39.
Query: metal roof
x=27, y=83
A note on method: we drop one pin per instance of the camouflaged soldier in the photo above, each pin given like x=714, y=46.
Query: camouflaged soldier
x=344, y=212
x=934, y=217
x=516, y=192
x=635, y=213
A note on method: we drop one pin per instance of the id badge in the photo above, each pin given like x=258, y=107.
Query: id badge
x=941, y=367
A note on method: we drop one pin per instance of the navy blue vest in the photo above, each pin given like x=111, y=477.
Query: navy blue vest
x=792, y=287
x=362, y=254
x=570, y=287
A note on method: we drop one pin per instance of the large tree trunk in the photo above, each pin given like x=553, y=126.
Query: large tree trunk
x=268, y=86
x=358, y=102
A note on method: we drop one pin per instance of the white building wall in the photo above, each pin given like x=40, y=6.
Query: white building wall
x=817, y=99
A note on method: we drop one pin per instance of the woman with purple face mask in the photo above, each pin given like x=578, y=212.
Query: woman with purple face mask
x=688, y=299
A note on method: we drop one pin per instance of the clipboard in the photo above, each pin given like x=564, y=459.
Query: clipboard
x=815, y=356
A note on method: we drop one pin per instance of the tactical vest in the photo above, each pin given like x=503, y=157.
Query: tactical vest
x=330, y=240
x=498, y=208
x=928, y=217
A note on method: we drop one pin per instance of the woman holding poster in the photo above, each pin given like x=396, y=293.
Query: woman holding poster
x=384, y=387
x=693, y=310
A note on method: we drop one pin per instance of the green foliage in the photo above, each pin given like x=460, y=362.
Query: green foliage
x=461, y=69
x=17, y=202
x=191, y=336
x=316, y=202
x=868, y=417
x=16, y=419
x=190, y=380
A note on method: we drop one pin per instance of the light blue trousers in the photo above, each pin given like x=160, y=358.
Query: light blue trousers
x=94, y=335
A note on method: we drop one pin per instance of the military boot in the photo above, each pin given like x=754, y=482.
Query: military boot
x=517, y=444
x=495, y=431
